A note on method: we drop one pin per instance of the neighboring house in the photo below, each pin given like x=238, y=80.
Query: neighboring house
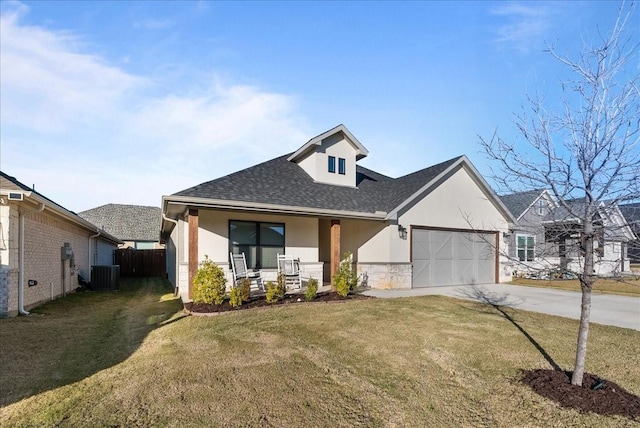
x=43, y=247
x=631, y=213
x=138, y=226
x=437, y=226
x=547, y=235
x=526, y=239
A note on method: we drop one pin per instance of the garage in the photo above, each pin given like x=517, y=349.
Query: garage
x=452, y=257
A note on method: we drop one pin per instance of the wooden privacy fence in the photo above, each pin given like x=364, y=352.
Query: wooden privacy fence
x=141, y=262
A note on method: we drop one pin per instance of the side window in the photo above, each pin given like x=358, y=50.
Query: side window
x=342, y=167
x=525, y=247
x=332, y=164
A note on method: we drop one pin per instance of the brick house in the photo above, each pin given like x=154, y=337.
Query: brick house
x=43, y=248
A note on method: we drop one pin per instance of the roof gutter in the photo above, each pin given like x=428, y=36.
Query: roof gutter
x=21, y=216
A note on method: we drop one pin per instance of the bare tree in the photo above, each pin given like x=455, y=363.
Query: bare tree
x=587, y=152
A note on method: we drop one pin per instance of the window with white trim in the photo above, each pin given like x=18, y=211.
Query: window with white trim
x=525, y=245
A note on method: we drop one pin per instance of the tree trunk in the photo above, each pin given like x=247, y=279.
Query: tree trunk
x=583, y=334
x=587, y=279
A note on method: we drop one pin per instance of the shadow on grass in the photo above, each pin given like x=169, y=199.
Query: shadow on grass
x=498, y=301
x=72, y=338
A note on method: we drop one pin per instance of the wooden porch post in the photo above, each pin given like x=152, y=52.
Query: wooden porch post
x=193, y=246
x=335, y=247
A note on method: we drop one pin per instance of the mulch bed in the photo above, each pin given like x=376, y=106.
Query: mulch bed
x=596, y=395
x=260, y=302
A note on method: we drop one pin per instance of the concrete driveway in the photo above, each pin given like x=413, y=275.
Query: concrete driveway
x=621, y=311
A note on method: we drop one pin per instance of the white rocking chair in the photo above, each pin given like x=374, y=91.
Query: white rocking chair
x=290, y=268
x=240, y=271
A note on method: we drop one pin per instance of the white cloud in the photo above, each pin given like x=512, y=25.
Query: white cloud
x=89, y=133
x=525, y=24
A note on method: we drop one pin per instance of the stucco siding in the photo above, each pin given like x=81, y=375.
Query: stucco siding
x=368, y=241
x=457, y=203
x=316, y=164
x=301, y=234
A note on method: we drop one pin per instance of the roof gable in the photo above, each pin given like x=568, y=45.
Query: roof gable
x=302, y=152
x=520, y=202
x=429, y=178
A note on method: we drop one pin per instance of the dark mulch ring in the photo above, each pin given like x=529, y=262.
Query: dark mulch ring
x=596, y=395
x=261, y=301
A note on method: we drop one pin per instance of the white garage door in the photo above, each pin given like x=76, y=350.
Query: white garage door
x=443, y=257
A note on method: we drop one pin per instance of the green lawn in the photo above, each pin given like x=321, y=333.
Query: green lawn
x=625, y=286
x=130, y=358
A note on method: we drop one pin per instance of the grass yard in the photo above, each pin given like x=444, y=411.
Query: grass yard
x=627, y=286
x=131, y=358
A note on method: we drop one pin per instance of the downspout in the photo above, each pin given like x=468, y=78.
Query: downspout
x=21, y=215
x=89, y=264
x=176, y=263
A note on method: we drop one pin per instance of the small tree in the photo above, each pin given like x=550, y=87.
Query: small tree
x=312, y=290
x=587, y=151
x=209, y=283
x=274, y=292
x=345, y=280
x=235, y=297
x=245, y=287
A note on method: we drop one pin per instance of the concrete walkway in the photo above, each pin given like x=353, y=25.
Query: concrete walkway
x=608, y=309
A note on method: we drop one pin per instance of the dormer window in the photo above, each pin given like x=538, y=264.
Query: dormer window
x=540, y=207
x=332, y=164
x=342, y=166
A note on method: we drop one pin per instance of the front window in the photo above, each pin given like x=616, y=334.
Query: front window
x=540, y=207
x=526, y=245
x=260, y=242
x=342, y=167
x=332, y=164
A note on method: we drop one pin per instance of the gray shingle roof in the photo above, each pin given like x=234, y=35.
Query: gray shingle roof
x=631, y=213
x=518, y=203
x=281, y=182
x=127, y=222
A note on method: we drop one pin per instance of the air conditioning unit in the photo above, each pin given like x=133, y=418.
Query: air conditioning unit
x=105, y=277
x=15, y=196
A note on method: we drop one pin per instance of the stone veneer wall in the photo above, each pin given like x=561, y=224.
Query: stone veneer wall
x=386, y=275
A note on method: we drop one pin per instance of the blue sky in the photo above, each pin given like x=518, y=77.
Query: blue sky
x=122, y=102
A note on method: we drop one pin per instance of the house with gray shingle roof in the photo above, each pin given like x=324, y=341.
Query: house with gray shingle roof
x=138, y=226
x=631, y=213
x=547, y=235
x=441, y=225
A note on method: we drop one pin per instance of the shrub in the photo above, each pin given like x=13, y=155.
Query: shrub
x=312, y=290
x=273, y=292
x=282, y=284
x=235, y=297
x=245, y=289
x=345, y=280
x=209, y=284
